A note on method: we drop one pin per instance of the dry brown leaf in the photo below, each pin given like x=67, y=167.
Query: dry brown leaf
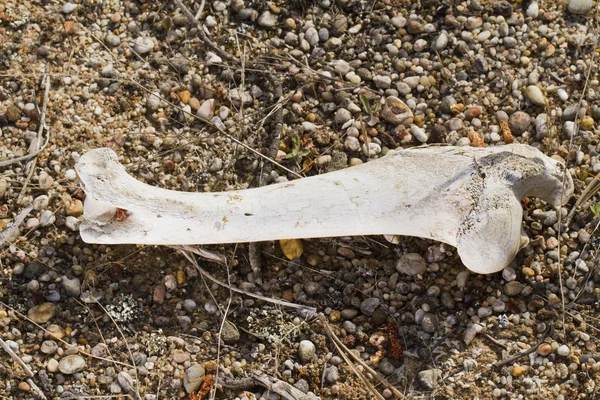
x=291, y=248
x=207, y=385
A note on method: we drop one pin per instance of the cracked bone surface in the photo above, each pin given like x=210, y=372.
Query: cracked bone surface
x=463, y=196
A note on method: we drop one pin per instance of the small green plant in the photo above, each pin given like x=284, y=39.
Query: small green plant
x=595, y=208
x=367, y=106
x=298, y=152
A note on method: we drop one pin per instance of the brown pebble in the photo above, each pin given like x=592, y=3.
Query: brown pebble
x=194, y=104
x=13, y=114
x=517, y=371
x=544, y=349
x=24, y=386
x=75, y=208
x=69, y=27
x=184, y=96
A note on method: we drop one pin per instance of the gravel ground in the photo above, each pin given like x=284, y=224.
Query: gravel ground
x=319, y=86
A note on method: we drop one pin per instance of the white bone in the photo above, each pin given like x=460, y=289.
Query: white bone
x=463, y=196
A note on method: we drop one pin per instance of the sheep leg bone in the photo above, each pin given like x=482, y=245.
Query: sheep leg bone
x=463, y=196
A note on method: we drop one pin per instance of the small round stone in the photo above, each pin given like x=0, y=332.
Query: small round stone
x=563, y=350
x=306, y=350
x=71, y=364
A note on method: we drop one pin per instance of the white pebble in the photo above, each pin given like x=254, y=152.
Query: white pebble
x=562, y=94
x=563, y=350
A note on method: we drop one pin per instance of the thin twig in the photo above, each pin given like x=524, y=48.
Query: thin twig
x=69, y=345
x=8, y=232
x=495, y=341
x=24, y=366
x=37, y=144
x=343, y=350
x=529, y=350
x=309, y=310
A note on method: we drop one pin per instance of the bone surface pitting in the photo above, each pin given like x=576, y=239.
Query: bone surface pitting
x=463, y=196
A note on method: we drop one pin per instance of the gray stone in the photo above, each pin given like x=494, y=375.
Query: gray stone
x=429, y=378
x=306, y=350
x=71, y=364
x=267, y=20
x=125, y=381
x=461, y=279
x=193, y=378
x=112, y=40
x=143, y=45
x=368, y=306
x=230, y=333
x=411, y=264
x=519, y=122
x=332, y=374
x=342, y=116
x=430, y=323
x=579, y=6
x=513, y=288
x=71, y=286
x=49, y=347
x=68, y=8
x=541, y=126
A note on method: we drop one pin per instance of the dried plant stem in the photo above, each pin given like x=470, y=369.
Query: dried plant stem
x=307, y=309
x=25, y=367
x=64, y=342
x=345, y=352
x=529, y=350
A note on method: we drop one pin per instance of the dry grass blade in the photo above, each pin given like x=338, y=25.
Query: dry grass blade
x=307, y=309
x=8, y=232
x=69, y=345
x=345, y=352
x=282, y=388
x=25, y=367
x=590, y=191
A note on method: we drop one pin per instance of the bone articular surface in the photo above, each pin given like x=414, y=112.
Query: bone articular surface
x=464, y=196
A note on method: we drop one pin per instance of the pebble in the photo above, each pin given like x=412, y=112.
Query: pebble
x=563, y=350
x=541, y=126
x=125, y=381
x=342, y=116
x=579, y=6
x=52, y=365
x=569, y=129
x=429, y=378
x=68, y=8
x=112, y=40
x=535, y=95
x=513, y=288
x=24, y=387
x=267, y=20
x=49, y=347
x=42, y=313
x=418, y=134
x=396, y=112
x=332, y=374
x=153, y=102
x=368, y=306
x=411, y=264
x=306, y=350
x=193, y=378
x=72, y=223
x=519, y=122
x=71, y=364
x=71, y=286
x=206, y=110
x=544, y=349
x=143, y=45
x=230, y=333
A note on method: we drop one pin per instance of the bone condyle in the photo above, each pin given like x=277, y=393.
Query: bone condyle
x=463, y=196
